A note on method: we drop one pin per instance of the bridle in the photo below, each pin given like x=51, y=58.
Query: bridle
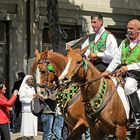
x=86, y=70
x=91, y=114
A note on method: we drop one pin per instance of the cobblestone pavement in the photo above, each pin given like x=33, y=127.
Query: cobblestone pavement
x=17, y=136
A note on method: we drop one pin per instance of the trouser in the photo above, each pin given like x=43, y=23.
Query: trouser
x=47, y=120
x=87, y=134
x=5, y=132
x=135, y=103
x=58, y=126
x=131, y=87
x=100, y=65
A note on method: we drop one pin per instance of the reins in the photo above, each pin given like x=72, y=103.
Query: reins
x=91, y=81
x=90, y=112
x=92, y=115
x=88, y=82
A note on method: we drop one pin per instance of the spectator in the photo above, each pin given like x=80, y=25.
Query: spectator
x=48, y=117
x=58, y=124
x=29, y=121
x=5, y=104
x=17, y=105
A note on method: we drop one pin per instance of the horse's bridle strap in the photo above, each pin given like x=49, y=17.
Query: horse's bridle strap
x=93, y=114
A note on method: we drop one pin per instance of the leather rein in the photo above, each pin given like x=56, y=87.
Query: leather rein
x=91, y=114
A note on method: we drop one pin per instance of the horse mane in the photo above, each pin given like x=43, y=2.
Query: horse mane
x=58, y=61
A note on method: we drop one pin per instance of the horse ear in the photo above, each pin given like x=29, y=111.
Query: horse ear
x=82, y=51
x=46, y=51
x=69, y=48
x=36, y=52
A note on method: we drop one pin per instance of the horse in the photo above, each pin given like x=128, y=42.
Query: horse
x=74, y=115
x=104, y=110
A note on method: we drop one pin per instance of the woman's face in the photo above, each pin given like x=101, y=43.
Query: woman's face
x=30, y=81
x=3, y=89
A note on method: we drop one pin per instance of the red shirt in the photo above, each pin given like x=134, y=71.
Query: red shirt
x=4, y=108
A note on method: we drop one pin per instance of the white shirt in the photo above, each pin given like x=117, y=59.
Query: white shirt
x=111, y=46
x=117, y=58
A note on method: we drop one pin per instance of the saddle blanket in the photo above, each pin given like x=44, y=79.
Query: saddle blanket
x=124, y=98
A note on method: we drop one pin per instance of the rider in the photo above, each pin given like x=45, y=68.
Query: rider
x=103, y=45
x=128, y=58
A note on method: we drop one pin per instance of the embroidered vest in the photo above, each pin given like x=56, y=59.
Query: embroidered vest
x=130, y=56
x=100, y=46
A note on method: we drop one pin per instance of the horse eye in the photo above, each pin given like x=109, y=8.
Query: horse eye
x=78, y=62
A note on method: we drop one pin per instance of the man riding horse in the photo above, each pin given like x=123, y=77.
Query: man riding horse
x=128, y=58
x=103, y=46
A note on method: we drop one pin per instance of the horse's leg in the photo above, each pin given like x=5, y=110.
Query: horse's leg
x=121, y=132
x=78, y=130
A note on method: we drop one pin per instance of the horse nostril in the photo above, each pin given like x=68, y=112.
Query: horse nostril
x=65, y=79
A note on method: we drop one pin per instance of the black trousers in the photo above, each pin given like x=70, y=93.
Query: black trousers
x=5, y=132
x=100, y=65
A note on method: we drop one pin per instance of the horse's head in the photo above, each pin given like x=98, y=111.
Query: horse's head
x=74, y=69
x=39, y=69
x=41, y=59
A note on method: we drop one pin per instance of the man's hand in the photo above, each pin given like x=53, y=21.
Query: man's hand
x=122, y=70
x=92, y=55
x=105, y=74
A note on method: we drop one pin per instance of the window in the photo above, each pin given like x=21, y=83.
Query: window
x=2, y=50
x=71, y=31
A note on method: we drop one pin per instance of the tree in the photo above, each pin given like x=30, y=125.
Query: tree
x=58, y=34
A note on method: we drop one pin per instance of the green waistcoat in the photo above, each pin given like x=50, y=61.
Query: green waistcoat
x=130, y=56
x=100, y=46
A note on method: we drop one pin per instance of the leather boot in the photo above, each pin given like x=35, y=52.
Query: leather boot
x=135, y=105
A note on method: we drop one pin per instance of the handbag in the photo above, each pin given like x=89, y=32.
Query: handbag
x=37, y=106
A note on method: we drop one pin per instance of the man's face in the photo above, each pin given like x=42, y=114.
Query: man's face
x=96, y=24
x=132, y=30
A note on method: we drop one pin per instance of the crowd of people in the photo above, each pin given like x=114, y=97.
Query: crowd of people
x=107, y=56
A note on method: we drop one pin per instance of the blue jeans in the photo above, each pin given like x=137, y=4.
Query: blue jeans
x=87, y=134
x=47, y=120
x=58, y=126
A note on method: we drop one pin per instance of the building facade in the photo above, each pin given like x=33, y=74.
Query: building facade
x=24, y=27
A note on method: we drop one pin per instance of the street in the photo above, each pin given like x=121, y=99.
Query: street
x=17, y=136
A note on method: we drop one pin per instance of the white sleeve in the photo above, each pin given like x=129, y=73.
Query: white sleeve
x=85, y=44
x=111, y=48
x=135, y=66
x=116, y=60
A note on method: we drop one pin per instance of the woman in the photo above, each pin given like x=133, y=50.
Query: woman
x=5, y=104
x=29, y=121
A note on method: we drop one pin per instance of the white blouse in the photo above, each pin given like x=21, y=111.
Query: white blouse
x=111, y=46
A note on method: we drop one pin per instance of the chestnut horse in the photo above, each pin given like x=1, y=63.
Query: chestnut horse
x=74, y=115
x=104, y=109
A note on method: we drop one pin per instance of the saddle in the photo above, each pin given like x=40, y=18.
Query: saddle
x=121, y=77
